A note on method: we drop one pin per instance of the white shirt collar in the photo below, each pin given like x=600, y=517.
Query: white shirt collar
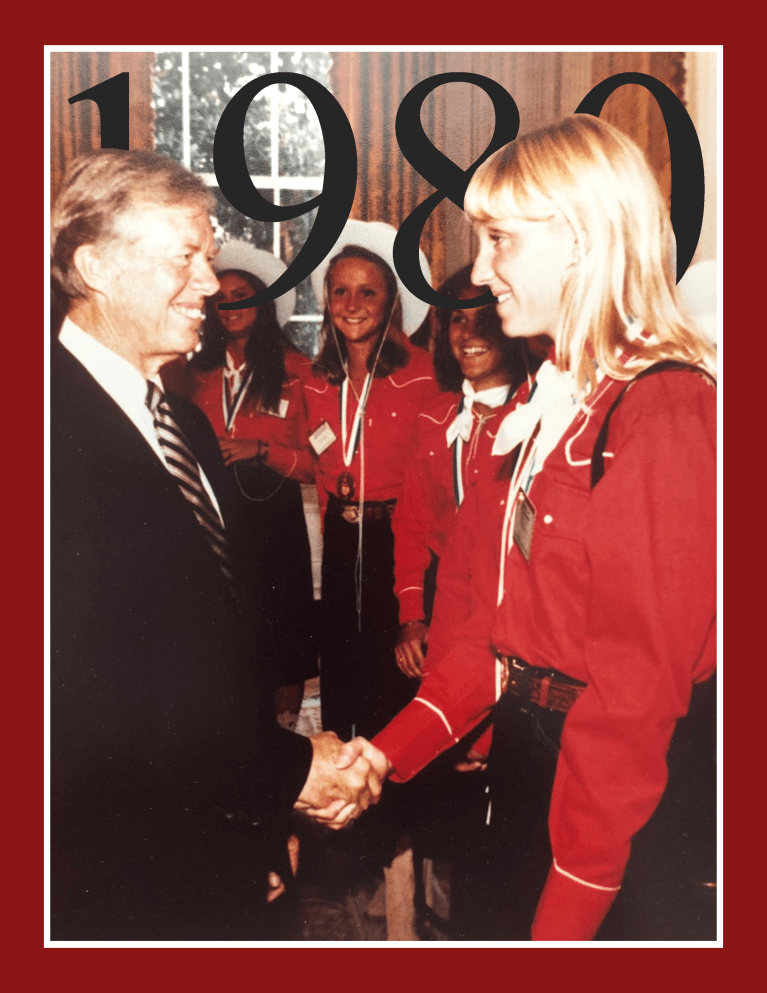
x=116, y=376
x=554, y=403
x=121, y=380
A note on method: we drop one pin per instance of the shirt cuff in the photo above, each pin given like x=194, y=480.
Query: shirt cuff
x=410, y=604
x=418, y=734
x=569, y=909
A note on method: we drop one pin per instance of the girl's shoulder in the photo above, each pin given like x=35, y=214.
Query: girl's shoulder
x=296, y=363
x=665, y=385
x=440, y=409
x=418, y=368
x=313, y=379
x=186, y=379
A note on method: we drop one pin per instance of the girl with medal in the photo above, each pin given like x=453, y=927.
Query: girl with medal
x=484, y=376
x=245, y=379
x=587, y=587
x=363, y=394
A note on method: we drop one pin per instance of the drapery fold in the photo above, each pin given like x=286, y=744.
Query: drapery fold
x=75, y=128
x=458, y=118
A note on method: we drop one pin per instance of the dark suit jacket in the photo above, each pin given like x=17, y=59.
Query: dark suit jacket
x=170, y=781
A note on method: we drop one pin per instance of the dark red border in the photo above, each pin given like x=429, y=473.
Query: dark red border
x=462, y=969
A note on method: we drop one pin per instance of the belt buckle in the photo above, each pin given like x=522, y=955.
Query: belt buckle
x=504, y=674
x=351, y=513
x=523, y=684
x=507, y=663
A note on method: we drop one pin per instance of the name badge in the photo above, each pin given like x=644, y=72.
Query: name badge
x=322, y=438
x=524, y=522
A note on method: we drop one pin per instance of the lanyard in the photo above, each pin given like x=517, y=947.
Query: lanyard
x=524, y=467
x=457, y=453
x=349, y=446
x=230, y=410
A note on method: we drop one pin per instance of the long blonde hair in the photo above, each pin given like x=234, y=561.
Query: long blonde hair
x=594, y=176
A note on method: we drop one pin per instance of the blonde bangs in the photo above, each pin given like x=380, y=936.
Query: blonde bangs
x=504, y=187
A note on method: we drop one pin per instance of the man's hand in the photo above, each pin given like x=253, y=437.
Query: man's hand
x=276, y=885
x=409, y=650
x=343, y=780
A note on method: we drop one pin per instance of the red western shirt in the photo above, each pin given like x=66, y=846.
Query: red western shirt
x=619, y=592
x=284, y=430
x=427, y=511
x=386, y=439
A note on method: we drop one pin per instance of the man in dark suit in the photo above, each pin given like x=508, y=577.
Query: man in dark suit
x=171, y=784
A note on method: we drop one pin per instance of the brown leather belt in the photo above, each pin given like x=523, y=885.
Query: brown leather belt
x=372, y=510
x=546, y=688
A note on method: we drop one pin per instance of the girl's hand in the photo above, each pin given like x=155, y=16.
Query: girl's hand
x=409, y=650
x=237, y=449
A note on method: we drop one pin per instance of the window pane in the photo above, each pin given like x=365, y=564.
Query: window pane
x=293, y=235
x=166, y=92
x=305, y=336
x=301, y=148
x=237, y=225
x=214, y=77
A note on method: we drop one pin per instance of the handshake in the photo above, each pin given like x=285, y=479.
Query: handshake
x=344, y=779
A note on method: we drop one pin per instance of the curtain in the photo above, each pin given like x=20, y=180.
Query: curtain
x=75, y=128
x=458, y=118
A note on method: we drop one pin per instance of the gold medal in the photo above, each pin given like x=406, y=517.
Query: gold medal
x=345, y=487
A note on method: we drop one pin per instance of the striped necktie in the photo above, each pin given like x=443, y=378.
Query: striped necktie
x=183, y=466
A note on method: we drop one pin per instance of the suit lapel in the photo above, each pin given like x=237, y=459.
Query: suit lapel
x=81, y=406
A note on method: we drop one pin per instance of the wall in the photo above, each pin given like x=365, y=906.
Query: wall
x=701, y=92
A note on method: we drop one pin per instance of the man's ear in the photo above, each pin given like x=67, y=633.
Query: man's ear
x=93, y=267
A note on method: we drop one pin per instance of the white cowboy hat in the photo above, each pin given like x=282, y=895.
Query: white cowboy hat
x=267, y=267
x=378, y=237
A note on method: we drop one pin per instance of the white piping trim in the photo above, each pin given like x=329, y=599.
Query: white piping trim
x=439, y=713
x=434, y=420
x=408, y=588
x=593, y=886
x=568, y=454
x=418, y=379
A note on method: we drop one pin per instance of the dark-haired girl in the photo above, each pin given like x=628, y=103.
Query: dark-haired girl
x=245, y=380
x=484, y=375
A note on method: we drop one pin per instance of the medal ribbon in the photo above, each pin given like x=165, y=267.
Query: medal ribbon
x=349, y=447
x=230, y=409
x=526, y=461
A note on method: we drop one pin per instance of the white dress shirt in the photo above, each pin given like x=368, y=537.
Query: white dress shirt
x=124, y=384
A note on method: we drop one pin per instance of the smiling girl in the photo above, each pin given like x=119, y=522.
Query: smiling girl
x=588, y=583
x=484, y=376
x=363, y=393
x=245, y=379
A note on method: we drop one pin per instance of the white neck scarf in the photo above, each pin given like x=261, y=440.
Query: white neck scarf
x=554, y=403
x=234, y=374
x=461, y=425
